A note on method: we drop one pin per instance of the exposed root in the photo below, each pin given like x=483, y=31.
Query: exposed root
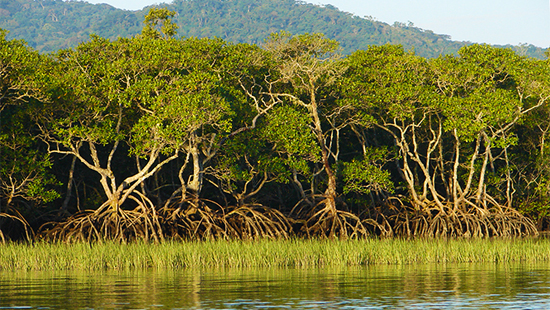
x=379, y=226
x=256, y=221
x=194, y=219
x=205, y=219
x=328, y=222
x=109, y=223
x=14, y=222
x=471, y=222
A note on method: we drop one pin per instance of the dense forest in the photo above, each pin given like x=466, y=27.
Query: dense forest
x=50, y=25
x=154, y=137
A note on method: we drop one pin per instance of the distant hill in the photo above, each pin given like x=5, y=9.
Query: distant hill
x=49, y=25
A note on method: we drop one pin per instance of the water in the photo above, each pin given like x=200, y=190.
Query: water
x=462, y=286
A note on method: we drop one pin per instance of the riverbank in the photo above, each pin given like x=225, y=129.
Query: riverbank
x=296, y=253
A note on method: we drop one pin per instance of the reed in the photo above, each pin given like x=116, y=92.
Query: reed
x=298, y=253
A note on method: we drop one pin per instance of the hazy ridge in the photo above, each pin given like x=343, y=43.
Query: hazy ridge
x=49, y=25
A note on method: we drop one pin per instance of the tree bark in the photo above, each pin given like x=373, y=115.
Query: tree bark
x=70, y=182
x=330, y=192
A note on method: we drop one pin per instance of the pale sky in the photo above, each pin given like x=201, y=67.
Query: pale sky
x=482, y=21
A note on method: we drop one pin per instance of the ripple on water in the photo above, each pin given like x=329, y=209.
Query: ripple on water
x=461, y=286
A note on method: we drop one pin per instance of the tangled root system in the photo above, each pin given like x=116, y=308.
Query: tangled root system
x=14, y=224
x=194, y=219
x=328, y=222
x=109, y=223
x=205, y=219
x=450, y=222
x=256, y=221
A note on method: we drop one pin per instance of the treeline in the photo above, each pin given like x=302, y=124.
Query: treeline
x=50, y=25
x=153, y=137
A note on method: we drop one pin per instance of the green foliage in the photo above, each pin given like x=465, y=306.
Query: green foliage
x=153, y=93
x=288, y=128
x=50, y=25
x=155, y=118
x=452, y=118
x=311, y=46
x=480, y=87
x=25, y=173
x=389, y=80
x=18, y=64
x=158, y=23
x=539, y=210
x=534, y=165
x=366, y=175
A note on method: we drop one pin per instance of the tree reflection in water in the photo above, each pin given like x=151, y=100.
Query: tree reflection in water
x=411, y=286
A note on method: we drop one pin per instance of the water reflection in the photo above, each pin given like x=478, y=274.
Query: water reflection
x=414, y=287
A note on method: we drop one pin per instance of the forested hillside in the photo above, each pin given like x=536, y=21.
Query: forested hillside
x=49, y=25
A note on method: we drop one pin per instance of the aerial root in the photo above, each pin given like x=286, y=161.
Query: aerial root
x=257, y=221
x=109, y=223
x=205, y=219
x=434, y=222
x=20, y=222
x=194, y=219
x=328, y=222
x=379, y=225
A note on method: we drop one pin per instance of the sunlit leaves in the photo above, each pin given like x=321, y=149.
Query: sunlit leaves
x=308, y=61
x=159, y=24
x=480, y=89
x=19, y=77
x=288, y=128
x=386, y=79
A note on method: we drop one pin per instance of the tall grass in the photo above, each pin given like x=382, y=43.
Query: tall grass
x=265, y=253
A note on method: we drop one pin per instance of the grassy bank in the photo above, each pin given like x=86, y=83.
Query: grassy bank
x=266, y=253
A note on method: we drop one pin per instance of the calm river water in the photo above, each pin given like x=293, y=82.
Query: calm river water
x=462, y=286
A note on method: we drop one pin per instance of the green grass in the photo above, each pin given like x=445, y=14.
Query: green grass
x=265, y=253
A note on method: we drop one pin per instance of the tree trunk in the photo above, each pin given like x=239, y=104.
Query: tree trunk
x=330, y=192
x=70, y=182
x=481, y=185
x=195, y=185
x=456, y=200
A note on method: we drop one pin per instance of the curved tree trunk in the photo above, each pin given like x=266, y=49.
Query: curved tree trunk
x=330, y=192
